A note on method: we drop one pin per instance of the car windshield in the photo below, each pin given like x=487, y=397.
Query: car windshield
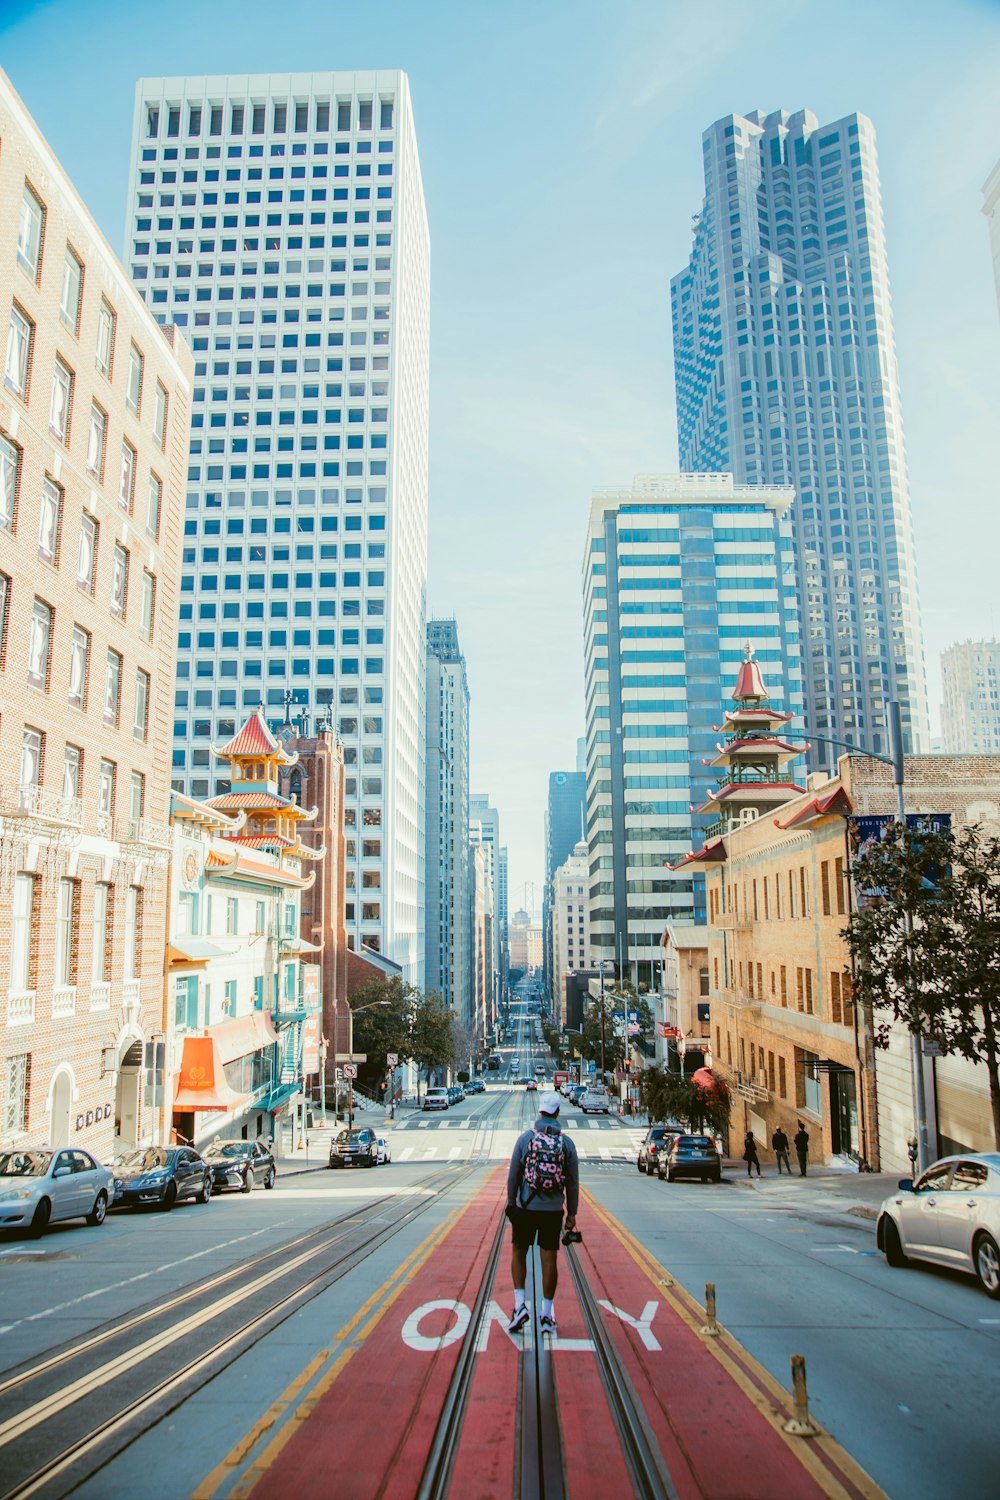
x=145, y=1161
x=228, y=1148
x=24, y=1163
x=695, y=1140
x=353, y=1136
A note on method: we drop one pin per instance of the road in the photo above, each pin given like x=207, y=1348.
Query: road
x=901, y=1363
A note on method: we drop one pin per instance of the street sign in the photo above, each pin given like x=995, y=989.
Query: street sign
x=310, y=1045
x=351, y=1057
x=391, y=1059
x=350, y=1071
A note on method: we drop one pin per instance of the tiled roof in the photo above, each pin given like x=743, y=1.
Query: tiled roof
x=262, y=841
x=250, y=800
x=253, y=739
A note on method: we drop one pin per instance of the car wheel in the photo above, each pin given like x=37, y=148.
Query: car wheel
x=640, y=1166
x=40, y=1219
x=987, y=1261
x=247, y=1181
x=892, y=1244
x=99, y=1212
x=269, y=1178
x=205, y=1193
x=170, y=1197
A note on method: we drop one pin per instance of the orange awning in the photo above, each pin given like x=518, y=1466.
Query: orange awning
x=201, y=1083
x=244, y=1034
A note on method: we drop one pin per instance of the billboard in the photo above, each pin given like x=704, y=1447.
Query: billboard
x=867, y=831
x=310, y=1045
x=310, y=987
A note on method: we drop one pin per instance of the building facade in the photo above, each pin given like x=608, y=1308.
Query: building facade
x=565, y=825
x=786, y=374
x=569, y=937
x=679, y=572
x=280, y=221
x=970, y=686
x=94, y=413
x=684, y=1005
x=484, y=824
x=449, y=956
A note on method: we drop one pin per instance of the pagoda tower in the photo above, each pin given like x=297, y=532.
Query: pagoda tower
x=271, y=821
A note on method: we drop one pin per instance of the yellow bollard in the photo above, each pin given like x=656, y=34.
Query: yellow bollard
x=801, y=1424
x=710, y=1327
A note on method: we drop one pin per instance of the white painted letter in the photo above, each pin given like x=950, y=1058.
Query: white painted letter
x=421, y=1342
x=642, y=1324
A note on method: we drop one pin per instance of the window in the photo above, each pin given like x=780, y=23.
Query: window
x=147, y=603
x=101, y=932
x=62, y=396
x=4, y=616
x=136, y=796
x=18, y=363
x=72, y=284
x=39, y=641
x=119, y=582
x=232, y=915
x=15, y=1109
x=10, y=463
x=105, y=355
x=30, y=770
x=112, y=688
x=126, y=477
x=133, y=392
x=67, y=929
x=72, y=772
x=30, y=232
x=96, y=438
x=106, y=777
x=86, y=558
x=154, y=504
x=22, y=935
x=140, y=717
x=133, y=931
x=79, y=661
x=160, y=416
x=49, y=521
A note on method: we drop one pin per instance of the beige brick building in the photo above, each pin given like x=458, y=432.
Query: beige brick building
x=94, y=417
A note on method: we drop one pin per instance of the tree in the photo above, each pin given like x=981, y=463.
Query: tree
x=380, y=1028
x=430, y=1044
x=668, y=1096
x=616, y=1044
x=463, y=1040
x=925, y=943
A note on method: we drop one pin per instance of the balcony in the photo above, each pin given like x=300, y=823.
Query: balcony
x=142, y=831
x=20, y=1007
x=100, y=996
x=731, y=921
x=104, y=823
x=132, y=994
x=42, y=805
x=63, y=1001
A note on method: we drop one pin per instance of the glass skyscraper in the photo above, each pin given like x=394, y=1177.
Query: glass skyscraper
x=786, y=374
x=681, y=572
x=279, y=220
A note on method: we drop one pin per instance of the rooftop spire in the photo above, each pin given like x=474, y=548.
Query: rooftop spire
x=749, y=681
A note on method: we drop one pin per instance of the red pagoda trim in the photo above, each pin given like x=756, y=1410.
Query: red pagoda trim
x=252, y=800
x=253, y=739
x=834, y=804
x=713, y=853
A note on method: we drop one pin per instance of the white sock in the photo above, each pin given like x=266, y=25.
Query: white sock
x=547, y=1307
x=518, y=1298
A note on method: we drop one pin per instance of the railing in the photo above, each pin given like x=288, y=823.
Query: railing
x=104, y=823
x=31, y=801
x=132, y=994
x=100, y=995
x=63, y=1001
x=142, y=831
x=20, y=1007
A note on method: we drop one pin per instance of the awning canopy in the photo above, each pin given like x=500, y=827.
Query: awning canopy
x=192, y=950
x=201, y=1083
x=278, y=1097
x=244, y=1034
x=298, y=945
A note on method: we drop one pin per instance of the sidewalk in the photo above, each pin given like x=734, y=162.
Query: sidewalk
x=831, y=1188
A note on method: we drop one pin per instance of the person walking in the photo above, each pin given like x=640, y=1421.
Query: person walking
x=779, y=1145
x=801, y=1141
x=543, y=1179
x=750, y=1154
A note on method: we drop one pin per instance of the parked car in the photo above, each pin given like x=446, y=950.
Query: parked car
x=950, y=1216
x=690, y=1156
x=475, y=1086
x=240, y=1164
x=595, y=1101
x=539, y=1070
x=38, y=1188
x=576, y=1092
x=162, y=1175
x=354, y=1148
x=455, y=1093
x=657, y=1139
x=436, y=1099
x=384, y=1154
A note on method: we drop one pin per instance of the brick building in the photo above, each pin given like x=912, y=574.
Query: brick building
x=94, y=418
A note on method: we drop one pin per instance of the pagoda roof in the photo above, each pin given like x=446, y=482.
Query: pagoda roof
x=752, y=791
x=205, y=814
x=747, y=749
x=752, y=718
x=279, y=843
x=713, y=852
x=217, y=860
x=749, y=680
x=836, y=804
x=251, y=800
x=256, y=739
x=254, y=869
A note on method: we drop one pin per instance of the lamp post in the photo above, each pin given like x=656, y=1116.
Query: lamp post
x=601, y=965
x=353, y=1011
x=896, y=761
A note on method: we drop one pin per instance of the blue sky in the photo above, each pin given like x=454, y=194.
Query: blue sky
x=560, y=142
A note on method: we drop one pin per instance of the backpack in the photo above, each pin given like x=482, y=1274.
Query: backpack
x=544, y=1165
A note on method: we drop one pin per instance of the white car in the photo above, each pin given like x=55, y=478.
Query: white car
x=595, y=1101
x=37, y=1188
x=384, y=1153
x=950, y=1216
x=436, y=1099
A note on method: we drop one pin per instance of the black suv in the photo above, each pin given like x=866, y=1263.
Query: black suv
x=657, y=1140
x=354, y=1148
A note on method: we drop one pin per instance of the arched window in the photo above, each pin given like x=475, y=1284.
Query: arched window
x=295, y=785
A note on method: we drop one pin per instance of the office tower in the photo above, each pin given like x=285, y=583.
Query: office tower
x=680, y=572
x=786, y=375
x=448, y=947
x=484, y=820
x=565, y=826
x=970, y=712
x=483, y=923
x=94, y=413
x=280, y=221
x=991, y=208
x=570, y=924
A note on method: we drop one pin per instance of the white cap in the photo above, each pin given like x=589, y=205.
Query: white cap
x=549, y=1104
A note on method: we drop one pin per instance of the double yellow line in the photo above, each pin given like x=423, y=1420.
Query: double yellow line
x=821, y=1456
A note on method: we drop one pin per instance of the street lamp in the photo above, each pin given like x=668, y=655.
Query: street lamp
x=353, y=1011
x=601, y=965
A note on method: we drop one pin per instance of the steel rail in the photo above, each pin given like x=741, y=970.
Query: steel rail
x=542, y=1469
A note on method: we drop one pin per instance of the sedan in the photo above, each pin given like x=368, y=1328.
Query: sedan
x=690, y=1156
x=950, y=1216
x=656, y=1140
x=354, y=1148
x=162, y=1175
x=241, y=1165
x=384, y=1153
x=39, y=1187
x=475, y=1086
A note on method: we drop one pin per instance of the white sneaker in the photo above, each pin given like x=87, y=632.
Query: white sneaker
x=521, y=1316
x=547, y=1323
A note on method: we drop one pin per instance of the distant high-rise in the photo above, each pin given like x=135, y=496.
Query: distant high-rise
x=449, y=956
x=680, y=571
x=485, y=824
x=280, y=221
x=565, y=826
x=786, y=374
x=970, y=711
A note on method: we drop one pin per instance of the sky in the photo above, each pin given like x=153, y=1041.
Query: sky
x=560, y=145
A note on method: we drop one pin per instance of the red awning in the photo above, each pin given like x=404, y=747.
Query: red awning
x=201, y=1083
x=244, y=1034
x=704, y=1078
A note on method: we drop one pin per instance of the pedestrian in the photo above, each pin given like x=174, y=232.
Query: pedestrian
x=779, y=1145
x=750, y=1154
x=543, y=1179
x=801, y=1140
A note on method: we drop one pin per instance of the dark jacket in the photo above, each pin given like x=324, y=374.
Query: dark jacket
x=518, y=1193
x=779, y=1141
x=802, y=1142
x=749, y=1149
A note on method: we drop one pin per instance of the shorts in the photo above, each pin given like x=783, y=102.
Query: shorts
x=529, y=1224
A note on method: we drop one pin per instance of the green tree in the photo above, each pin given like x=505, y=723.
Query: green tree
x=616, y=1045
x=431, y=1043
x=668, y=1096
x=925, y=943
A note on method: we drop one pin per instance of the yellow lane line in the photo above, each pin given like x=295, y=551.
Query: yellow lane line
x=748, y=1374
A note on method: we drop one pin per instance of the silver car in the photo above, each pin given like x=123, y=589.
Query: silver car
x=40, y=1187
x=950, y=1216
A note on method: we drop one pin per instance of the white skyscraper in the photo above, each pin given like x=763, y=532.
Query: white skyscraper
x=279, y=220
x=970, y=711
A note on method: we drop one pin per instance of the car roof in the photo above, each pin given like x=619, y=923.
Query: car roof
x=988, y=1159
